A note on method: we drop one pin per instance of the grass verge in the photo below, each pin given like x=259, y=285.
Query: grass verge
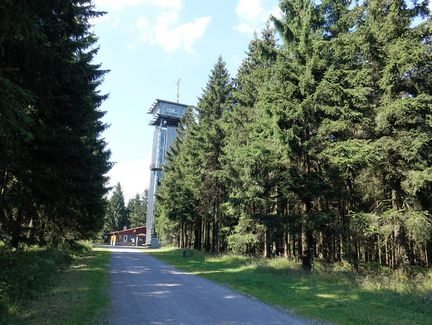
x=52, y=286
x=338, y=297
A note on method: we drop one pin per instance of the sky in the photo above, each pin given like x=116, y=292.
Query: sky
x=148, y=45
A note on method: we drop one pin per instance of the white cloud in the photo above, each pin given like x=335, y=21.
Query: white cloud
x=249, y=9
x=116, y=22
x=120, y=4
x=131, y=45
x=276, y=12
x=235, y=62
x=117, y=4
x=160, y=31
x=133, y=175
x=99, y=20
x=172, y=4
x=252, y=14
x=244, y=28
x=166, y=33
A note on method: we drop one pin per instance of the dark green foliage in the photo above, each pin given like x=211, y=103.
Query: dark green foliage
x=179, y=206
x=66, y=285
x=214, y=102
x=191, y=192
x=323, y=148
x=25, y=273
x=52, y=158
x=252, y=160
x=137, y=210
x=116, y=217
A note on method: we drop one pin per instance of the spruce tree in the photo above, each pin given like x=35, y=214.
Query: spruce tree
x=289, y=101
x=116, y=217
x=215, y=100
x=137, y=210
x=53, y=172
x=400, y=55
x=178, y=216
x=250, y=159
x=322, y=148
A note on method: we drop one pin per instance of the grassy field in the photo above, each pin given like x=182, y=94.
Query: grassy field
x=50, y=286
x=340, y=297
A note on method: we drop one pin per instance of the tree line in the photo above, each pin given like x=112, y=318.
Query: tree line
x=52, y=156
x=320, y=147
x=119, y=215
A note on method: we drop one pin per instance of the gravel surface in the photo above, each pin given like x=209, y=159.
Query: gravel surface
x=147, y=291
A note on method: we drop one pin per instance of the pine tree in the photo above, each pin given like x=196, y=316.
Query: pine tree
x=250, y=159
x=215, y=100
x=178, y=216
x=400, y=56
x=289, y=101
x=137, y=210
x=116, y=216
x=52, y=174
x=343, y=98
x=321, y=149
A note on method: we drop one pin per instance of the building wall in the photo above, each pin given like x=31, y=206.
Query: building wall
x=170, y=109
x=124, y=237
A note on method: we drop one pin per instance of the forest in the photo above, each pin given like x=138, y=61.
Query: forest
x=118, y=214
x=319, y=148
x=52, y=156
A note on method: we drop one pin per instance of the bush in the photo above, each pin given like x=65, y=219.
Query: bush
x=25, y=272
x=242, y=243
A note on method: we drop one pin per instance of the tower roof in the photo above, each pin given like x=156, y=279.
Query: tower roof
x=158, y=101
x=170, y=112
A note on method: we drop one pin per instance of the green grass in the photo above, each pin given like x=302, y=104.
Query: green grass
x=50, y=286
x=338, y=297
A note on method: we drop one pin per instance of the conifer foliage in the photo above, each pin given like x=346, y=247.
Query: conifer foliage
x=137, y=210
x=320, y=147
x=116, y=217
x=52, y=156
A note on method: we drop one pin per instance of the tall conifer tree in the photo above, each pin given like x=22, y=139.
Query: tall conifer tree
x=324, y=151
x=215, y=100
x=116, y=217
x=53, y=169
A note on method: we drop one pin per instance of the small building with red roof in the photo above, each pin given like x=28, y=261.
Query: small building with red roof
x=128, y=237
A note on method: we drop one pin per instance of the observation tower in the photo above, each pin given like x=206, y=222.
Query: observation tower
x=166, y=118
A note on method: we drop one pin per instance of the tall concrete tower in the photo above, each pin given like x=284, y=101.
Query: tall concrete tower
x=166, y=117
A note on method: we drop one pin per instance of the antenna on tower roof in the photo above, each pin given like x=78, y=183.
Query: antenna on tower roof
x=178, y=89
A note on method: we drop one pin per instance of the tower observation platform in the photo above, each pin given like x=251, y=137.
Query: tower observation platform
x=165, y=119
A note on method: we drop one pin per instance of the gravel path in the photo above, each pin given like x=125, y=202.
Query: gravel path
x=147, y=291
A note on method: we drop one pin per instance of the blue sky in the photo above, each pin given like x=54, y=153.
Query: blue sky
x=148, y=45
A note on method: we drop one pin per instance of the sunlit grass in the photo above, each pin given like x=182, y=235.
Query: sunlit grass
x=336, y=295
x=77, y=293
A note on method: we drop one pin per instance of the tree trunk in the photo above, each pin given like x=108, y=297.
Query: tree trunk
x=181, y=234
x=300, y=242
x=215, y=233
x=294, y=245
x=197, y=233
x=379, y=250
x=16, y=229
x=264, y=253
x=207, y=238
x=308, y=254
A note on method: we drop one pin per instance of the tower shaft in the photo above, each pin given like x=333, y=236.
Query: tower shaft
x=166, y=117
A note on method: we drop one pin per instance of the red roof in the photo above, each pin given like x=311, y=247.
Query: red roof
x=130, y=231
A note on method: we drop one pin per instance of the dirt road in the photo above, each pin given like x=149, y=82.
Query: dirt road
x=147, y=291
